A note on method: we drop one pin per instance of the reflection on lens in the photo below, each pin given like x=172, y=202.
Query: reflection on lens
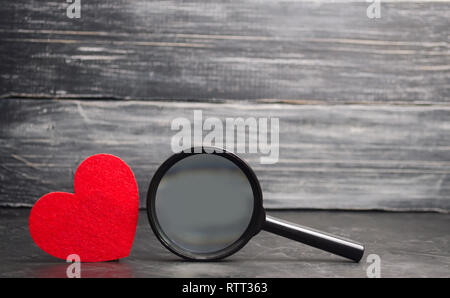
x=204, y=203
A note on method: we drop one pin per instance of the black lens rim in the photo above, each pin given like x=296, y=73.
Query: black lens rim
x=254, y=225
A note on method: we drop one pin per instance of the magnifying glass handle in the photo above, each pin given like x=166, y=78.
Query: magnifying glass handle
x=335, y=245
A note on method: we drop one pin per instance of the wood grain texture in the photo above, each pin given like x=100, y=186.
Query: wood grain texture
x=363, y=104
x=295, y=51
x=331, y=156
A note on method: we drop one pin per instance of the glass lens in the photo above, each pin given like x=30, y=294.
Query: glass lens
x=204, y=203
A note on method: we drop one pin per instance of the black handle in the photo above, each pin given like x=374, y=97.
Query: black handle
x=338, y=246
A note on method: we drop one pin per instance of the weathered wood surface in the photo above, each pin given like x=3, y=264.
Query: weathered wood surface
x=323, y=51
x=337, y=149
x=335, y=156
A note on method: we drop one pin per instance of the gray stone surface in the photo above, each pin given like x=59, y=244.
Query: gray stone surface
x=409, y=244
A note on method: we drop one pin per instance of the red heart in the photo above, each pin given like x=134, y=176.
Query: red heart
x=98, y=222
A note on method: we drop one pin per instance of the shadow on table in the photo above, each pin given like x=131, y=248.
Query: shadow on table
x=113, y=269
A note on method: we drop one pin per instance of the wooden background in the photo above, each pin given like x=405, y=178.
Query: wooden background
x=363, y=103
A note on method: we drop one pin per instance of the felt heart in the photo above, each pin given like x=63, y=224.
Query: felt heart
x=98, y=221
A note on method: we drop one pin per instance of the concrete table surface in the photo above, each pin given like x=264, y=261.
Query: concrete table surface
x=409, y=245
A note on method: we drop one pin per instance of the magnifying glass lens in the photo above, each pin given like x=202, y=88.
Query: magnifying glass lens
x=204, y=203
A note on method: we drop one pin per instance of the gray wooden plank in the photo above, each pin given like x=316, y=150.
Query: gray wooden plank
x=215, y=50
x=389, y=157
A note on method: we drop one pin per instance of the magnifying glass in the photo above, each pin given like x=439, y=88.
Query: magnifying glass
x=207, y=204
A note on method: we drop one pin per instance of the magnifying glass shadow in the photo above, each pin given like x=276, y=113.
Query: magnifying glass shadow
x=264, y=256
x=287, y=255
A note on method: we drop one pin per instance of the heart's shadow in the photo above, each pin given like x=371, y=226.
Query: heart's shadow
x=112, y=269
